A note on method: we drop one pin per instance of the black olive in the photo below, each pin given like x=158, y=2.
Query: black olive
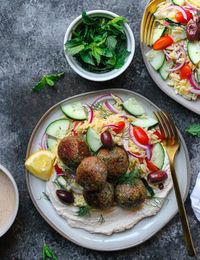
x=193, y=31
x=65, y=196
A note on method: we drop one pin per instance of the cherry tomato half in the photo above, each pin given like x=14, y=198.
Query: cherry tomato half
x=159, y=135
x=58, y=169
x=151, y=166
x=185, y=72
x=140, y=135
x=163, y=43
x=119, y=127
x=180, y=19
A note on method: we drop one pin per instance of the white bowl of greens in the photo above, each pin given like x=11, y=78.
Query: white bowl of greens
x=99, y=45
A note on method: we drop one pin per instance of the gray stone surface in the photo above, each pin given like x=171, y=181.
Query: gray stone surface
x=31, y=44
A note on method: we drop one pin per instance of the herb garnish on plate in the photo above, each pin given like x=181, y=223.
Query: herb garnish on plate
x=47, y=253
x=99, y=43
x=194, y=129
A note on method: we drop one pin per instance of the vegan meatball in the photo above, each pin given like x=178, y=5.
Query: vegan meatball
x=72, y=150
x=116, y=161
x=130, y=196
x=100, y=199
x=91, y=174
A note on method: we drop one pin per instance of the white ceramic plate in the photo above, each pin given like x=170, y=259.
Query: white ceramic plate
x=141, y=231
x=162, y=84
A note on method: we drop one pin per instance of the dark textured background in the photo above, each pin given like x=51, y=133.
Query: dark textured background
x=31, y=44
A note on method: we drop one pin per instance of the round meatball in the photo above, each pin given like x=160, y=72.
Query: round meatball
x=100, y=199
x=116, y=161
x=72, y=150
x=130, y=196
x=91, y=174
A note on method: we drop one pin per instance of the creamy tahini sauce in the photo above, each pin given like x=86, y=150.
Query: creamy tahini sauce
x=7, y=200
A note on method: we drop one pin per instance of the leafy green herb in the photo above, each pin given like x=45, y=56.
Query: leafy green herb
x=46, y=196
x=129, y=178
x=48, y=80
x=83, y=211
x=149, y=189
x=47, y=253
x=99, y=43
x=194, y=129
x=101, y=219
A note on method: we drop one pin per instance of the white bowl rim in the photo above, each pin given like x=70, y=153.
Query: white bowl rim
x=14, y=213
x=108, y=75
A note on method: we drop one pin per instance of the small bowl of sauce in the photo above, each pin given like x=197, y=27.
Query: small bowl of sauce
x=9, y=200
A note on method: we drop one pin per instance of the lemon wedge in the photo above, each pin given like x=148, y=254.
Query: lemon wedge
x=194, y=2
x=40, y=164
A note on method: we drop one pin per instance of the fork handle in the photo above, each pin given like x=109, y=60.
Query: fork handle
x=183, y=216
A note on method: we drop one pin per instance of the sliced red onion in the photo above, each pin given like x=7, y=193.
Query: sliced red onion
x=103, y=97
x=61, y=174
x=178, y=67
x=166, y=55
x=43, y=143
x=149, y=152
x=125, y=143
x=133, y=139
x=90, y=113
x=192, y=6
x=193, y=83
x=178, y=8
x=195, y=91
x=111, y=107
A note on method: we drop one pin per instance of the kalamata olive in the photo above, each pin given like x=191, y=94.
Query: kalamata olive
x=106, y=139
x=156, y=177
x=161, y=186
x=65, y=196
x=193, y=30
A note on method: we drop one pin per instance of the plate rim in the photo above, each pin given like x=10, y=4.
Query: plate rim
x=181, y=101
x=49, y=221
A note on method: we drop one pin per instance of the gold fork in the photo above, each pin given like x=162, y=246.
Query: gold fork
x=171, y=143
x=148, y=22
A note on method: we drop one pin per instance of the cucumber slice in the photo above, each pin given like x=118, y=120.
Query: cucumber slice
x=194, y=51
x=177, y=33
x=158, y=32
x=133, y=107
x=179, y=2
x=145, y=122
x=156, y=58
x=164, y=70
x=197, y=75
x=93, y=140
x=74, y=110
x=158, y=155
x=56, y=129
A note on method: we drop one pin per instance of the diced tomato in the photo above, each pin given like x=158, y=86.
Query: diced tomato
x=151, y=166
x=163, y=43
x=185, y=72
x=180, y=19
x=159, y=135
x=140, y=135
x=119, y=127
x=58, y=169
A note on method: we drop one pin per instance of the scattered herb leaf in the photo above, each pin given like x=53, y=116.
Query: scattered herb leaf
x=101, y=219
x=47, y=253
x=149, y=188
x=129, y=178
x=99, y=43
x=83, y=211
x=49, y=80
x=194, y=129
x=46, y=196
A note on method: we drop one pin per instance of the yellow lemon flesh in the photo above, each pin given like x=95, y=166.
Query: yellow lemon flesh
x=40, y=164
x=194, y=2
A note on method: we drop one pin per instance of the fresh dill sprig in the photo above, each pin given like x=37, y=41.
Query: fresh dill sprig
x=103, y=111
x=129, y=178
x=46, y=197
x=101, y=219
x=83, y=211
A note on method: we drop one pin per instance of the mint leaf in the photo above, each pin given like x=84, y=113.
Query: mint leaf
x=87, y=58
x=111, y=42
x=47, y=253
x=87, y=19
x=121, y=58
x=194, y=130
x=76, y=49
x=40, y=85
x=49, y=80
